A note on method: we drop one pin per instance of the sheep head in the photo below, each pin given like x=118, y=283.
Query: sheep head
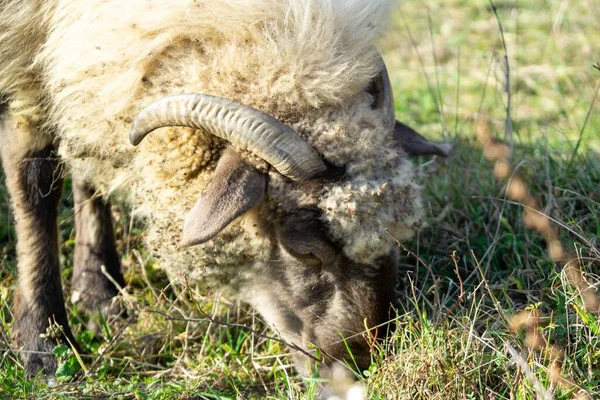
x=311, y=288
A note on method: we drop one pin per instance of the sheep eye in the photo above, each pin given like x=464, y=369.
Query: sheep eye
x=309, y=259
x=304, y=237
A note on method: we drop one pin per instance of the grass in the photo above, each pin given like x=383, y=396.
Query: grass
x=472, y=271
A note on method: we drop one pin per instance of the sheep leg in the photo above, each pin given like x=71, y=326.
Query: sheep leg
x=95, y=250
x=34, y=181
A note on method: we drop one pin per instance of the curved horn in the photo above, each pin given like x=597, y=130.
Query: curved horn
x=243, y=126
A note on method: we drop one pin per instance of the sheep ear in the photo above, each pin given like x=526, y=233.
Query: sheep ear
x=235, y=188
x=416, y=145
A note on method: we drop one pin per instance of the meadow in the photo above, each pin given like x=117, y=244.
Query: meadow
x=488, y=309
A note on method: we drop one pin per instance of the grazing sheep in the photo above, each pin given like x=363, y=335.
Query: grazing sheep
x=278, y=156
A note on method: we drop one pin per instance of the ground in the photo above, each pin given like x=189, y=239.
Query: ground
x=486, y=311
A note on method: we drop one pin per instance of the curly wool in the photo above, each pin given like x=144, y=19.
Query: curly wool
x=306, y=63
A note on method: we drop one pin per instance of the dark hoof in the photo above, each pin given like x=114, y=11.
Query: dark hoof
x=38, y=360
x=35, y=342
x=98, y=296
x=94, y=291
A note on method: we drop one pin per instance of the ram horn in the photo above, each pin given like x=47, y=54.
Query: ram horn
x=242, y=126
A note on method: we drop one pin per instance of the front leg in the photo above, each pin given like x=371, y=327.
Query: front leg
x=94, y=248
x=34, y=181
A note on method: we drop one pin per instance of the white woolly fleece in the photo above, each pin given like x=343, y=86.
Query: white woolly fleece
x=306, y=62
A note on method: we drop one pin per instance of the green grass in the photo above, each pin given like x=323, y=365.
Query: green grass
x=446, y=61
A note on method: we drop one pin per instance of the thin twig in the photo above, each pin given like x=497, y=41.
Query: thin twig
x=542, y=393
x=437, y=75
x=435, y=278
x=112, y=341
x=461, y=293
x=582, y=130
x=509, y=125
x=208, y=318
x=422, y=63
x=462, y=375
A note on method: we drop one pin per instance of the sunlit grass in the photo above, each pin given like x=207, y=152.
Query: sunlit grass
x=446, y=61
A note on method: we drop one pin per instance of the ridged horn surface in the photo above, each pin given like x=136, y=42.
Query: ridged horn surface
x=242, y=126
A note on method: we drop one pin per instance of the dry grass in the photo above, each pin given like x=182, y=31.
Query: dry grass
x=486, y=312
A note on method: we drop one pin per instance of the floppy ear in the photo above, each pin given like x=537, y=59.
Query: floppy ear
x=235, y=188
x=415, y=144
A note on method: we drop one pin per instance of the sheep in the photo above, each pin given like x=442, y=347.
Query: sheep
x=276, y=165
